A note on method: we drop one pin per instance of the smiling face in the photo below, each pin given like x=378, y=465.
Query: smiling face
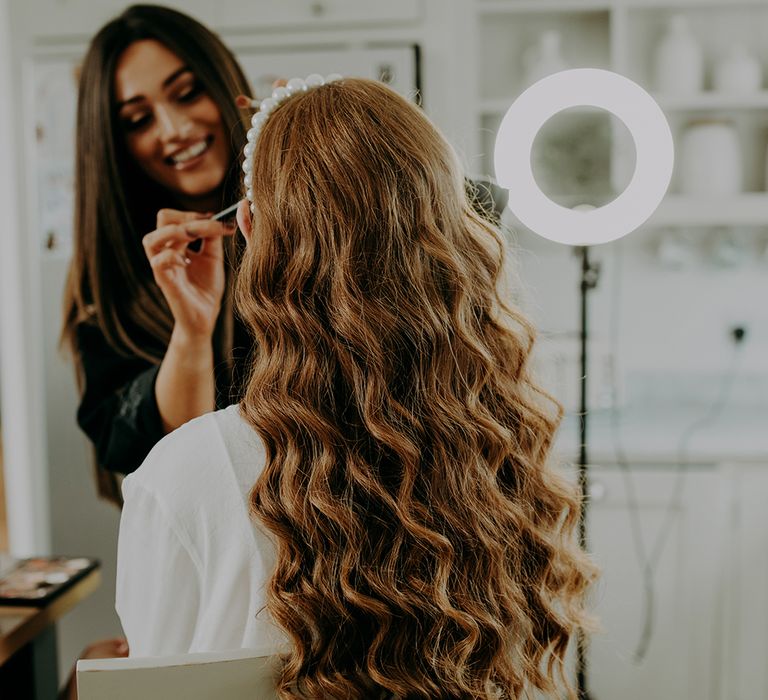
x=173, y=129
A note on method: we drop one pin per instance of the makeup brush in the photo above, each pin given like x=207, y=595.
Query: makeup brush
x=223, y=215
x=227, y=213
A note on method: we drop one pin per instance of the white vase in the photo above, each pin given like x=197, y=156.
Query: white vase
x=678, y=64
x=543, y=58
x=710, y=159
x=737, y=71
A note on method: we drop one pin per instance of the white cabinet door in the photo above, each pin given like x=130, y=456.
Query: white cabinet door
x=684, y=653
x=746, y=645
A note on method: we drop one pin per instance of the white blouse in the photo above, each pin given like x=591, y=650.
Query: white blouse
x=192, y=563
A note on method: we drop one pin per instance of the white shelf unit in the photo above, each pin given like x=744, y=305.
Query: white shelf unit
x=749, y=209
x=713, y=101
x=621, y=35
x=705, y=101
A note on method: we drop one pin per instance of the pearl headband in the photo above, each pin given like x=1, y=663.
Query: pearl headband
x=268, y=105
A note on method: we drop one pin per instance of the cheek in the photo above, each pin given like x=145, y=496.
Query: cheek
x=206, y=112
x=141, y=147
x=207, y=115
x=222, y=153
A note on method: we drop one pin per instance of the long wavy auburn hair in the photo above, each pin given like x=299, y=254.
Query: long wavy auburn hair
x=424, y=547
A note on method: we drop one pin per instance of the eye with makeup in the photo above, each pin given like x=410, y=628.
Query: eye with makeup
x=135, y=122
x=190, y=91
x=186, y=91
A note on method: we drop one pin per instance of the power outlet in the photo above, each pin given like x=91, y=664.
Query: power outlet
x=738, y=333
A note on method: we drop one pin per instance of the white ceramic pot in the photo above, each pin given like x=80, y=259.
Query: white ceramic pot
x=737, y=72
x=710, y=159
x=678, y=62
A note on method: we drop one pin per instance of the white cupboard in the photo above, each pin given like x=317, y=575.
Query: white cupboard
x=688, y=509
x=745, y=644
x=622, y=36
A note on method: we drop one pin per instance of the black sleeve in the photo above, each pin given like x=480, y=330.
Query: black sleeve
x=118, y=410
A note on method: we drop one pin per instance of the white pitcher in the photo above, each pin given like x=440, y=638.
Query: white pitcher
x=679, y=64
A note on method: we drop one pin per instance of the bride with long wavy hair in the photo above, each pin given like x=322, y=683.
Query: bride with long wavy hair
x=425, y=546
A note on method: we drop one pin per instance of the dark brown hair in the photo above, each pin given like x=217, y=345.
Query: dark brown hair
x=110, y=282
x=425, y=547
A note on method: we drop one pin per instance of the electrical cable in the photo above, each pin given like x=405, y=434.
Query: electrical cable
x=675, y=502
x=620, y=456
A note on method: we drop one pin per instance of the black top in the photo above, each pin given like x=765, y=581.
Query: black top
x=118, y=410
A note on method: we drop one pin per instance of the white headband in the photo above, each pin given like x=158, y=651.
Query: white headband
x=280, y=94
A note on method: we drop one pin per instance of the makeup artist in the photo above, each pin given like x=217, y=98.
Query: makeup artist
x=148, y=310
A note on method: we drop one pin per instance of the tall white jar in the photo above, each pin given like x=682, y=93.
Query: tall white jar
x=710, y=158
x=678, y=61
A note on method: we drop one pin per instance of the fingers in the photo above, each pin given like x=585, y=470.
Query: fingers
x=243, y=101
x=166, y=217
x=166, y=260
x=180, y=235
x=165, y=237
x=207, y=228
x=106, y=649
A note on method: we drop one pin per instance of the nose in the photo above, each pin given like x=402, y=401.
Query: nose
x=172, y=123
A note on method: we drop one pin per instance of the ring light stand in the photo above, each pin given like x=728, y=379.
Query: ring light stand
x=590, y=273
x=584, y=226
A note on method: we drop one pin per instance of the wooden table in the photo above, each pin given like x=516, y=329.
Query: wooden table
x=28, y=662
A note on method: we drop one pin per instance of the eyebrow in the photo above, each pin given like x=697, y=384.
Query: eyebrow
x=166, y=83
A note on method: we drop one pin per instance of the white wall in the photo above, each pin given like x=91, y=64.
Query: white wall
x=671, y=321
x=22, y=385
x=81, y=523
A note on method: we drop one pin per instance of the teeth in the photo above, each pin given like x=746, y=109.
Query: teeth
x=189, y=153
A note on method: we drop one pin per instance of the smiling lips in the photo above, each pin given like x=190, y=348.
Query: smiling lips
x=185, y=157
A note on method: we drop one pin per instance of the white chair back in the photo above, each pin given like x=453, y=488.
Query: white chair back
x=232, y=675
